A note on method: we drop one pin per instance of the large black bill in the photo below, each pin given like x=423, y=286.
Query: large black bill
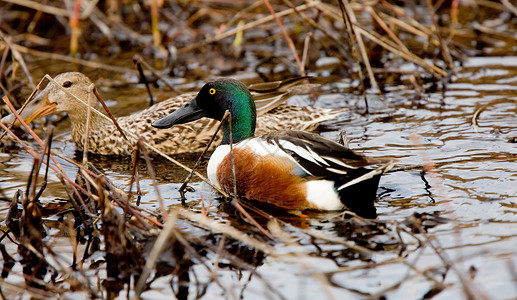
x=187, y=113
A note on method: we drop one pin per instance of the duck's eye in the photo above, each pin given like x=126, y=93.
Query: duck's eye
x=211, y=91
x=67, y=83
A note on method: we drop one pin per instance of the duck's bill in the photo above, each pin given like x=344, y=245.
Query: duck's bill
x=187, y=113
x=37, y=108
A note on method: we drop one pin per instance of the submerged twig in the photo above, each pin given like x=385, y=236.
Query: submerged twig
x=482, y=108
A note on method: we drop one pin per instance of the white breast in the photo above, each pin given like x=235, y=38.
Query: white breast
x=214, y=162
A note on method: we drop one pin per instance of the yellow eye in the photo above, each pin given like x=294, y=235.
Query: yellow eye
x=211, y=91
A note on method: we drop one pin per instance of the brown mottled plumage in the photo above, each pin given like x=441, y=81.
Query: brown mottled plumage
x=105, y=139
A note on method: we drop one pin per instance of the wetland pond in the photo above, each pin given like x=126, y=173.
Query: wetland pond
x=467, y=205
x=447, y=211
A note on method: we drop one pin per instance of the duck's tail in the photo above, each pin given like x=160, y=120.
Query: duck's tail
x=358, y=190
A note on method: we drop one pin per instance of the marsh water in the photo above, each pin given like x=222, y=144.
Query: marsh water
x=471, y=190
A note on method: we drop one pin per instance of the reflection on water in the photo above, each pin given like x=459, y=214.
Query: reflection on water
x=475, y=187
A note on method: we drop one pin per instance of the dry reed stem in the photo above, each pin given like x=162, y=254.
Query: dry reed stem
x=229, y=230
x=411, y=29
x=137, y=59
x=366, y=266
x=315, y=25
x=289, y=242
x=52, y=10
x=412, y=22
x=56, y=167
x=238, y=206
x=120, y=199
x=66, y=58
x=91, y=87
x=74, y=26
x=327, y=236
x=154, y=22
x=179, y=237
x=23, y=289
x=19, y=58
x=23, y=106
x=349, y=15
x=65, y=268
x=436, y=71
x=306, y=44
x=134, y=177
x=112, y=118
x=163, y=238
x=218, y=254
x=61, y=173
x=286, y=37
x=205, y=210
x=150, y=169
x=232, y=160
x=388, y=45
x=245, y=27
x=445, y=49
x=138, y=64
x=46, y=151
x=158, y=247
x=385, y=27
x=41, y=7
x=509, y=6
x=87, y=173
x=469, y=287
x=238, y=235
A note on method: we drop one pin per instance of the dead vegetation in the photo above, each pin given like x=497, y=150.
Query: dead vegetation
x=120, y=248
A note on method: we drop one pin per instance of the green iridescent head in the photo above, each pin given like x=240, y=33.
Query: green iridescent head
x=212, y=101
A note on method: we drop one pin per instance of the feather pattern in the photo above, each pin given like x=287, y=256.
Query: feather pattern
x=320, y=157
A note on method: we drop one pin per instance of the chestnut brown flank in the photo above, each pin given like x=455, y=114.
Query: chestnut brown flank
x=263, y=178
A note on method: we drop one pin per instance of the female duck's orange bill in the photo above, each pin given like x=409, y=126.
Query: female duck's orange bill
x=37, y=108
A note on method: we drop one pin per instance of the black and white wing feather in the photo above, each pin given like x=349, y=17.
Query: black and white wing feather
x=323, y=158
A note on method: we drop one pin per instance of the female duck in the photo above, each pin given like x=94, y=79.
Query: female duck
x=105, y=139
x=293, y=170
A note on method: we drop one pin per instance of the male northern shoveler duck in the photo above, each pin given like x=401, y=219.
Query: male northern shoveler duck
x=293, y=170
x=105, y=139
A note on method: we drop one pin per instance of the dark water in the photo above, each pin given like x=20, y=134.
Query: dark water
x=473, y=187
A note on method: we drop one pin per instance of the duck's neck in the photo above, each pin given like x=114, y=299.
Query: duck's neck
x=97, y=125
x=244, y=119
